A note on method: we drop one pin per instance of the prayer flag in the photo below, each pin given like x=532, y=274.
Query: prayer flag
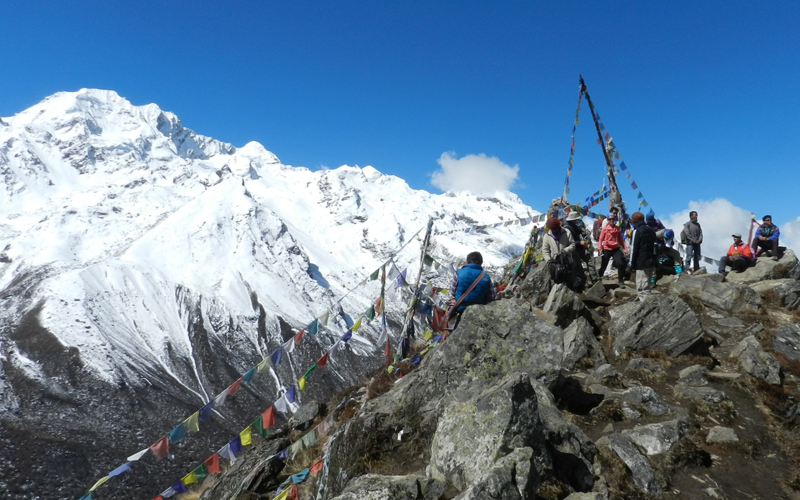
x=248, y=375
x=225, y=452
x=275, y=357
x=280, y=404
x=415, y=359
x=622, y=166
x=290, y=395
x=220, y=399
x=200, y=471
x=401, y=279
x=314, y=469
x=300, y=476
x=374, y=275
x=644, y=203
x=356, y=325
x=348, y=334
x=370, y=313
x=189, y=478
x=322, y=361
x=234, y=387
x=313, y=327
x=87, y=496
x=323, y=319
x=136, y=456
x=301, y=383
x=299, y=337
x=167, y=493
x=192, y=424
x=179, y=487
x=634, y=186
x=119, y=470
x=289, y=345
x=246, y=437
x=427, y=261
x=268, y=418
x=427, y=335
x=639, y=196
x=235, y=445
x=295, y=448
x=283, y=454
x=262, y=366
x=324, y=427
x=100, y=482
x=161, y=447
x=212, y=464
x=205, y=412
x=393, y=272
x=310, y=370
x=176, y=434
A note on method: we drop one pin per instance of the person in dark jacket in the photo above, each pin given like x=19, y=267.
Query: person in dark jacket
x=766, y=238
x=482, y=293
x=692, y=237
x=642, y=254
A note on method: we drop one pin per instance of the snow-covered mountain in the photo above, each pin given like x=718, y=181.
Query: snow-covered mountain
x=143, y=267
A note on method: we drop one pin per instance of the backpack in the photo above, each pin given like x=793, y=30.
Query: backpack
x=684, y=238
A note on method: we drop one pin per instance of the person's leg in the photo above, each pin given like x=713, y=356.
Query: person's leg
x=689, y=252
x=722, y=263
x=696, y=256
x=643, y=285
x=756, y=246
x=774, y=248
x=738, y=264
x=619, y=262
x=605, y=256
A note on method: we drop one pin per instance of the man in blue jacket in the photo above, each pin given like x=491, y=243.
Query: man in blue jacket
x=767, y=236
x=482, y=293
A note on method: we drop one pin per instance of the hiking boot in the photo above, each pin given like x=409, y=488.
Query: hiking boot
x=774, y=257
x=621, y=285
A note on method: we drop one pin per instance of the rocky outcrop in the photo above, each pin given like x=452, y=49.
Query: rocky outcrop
x=663, y=323
x=377, y=486
x=565, y=305
x=732, y=298
x=641, y=471
x=757, y=362
x=787, y=341
x=783, y=292
x=658, y=438
x=768, y=269
x=508, y=479
x=579, y=343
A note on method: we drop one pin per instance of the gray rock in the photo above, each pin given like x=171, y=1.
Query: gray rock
x=707, y=394
x=659, y=437
x=768, y=269
x=508, y=479
x=305, y=416
x=645, y=365
x=755, y=361
x=604, y=375
x=473, y=435
x=785, y=291
x=565, y=305
x=693, y=375
x=597, y=291
x=250, y=471
x=719, y=435
x=787, y=341
x=587, y=496
x=580, y=342
x=647, y=398
x=664, y=323
x=729, y=322
x=733, y=298
x=642, y=472
x=392, y=488
x=571, y=451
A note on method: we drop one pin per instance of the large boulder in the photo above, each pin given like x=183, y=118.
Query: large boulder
x=768, y=269
x=580, y=342
x=786, y=292
x=472, y=436
x=787, y=341
x=663, y=323
x=733, y=298
x=757, y=362
x=565, y=305
x=642, y=472
x=508, y=479
x=659, y=437
x=250, y=471
x=392, y=488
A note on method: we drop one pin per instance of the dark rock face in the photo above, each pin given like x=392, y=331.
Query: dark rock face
x=392, y=488
x=733, y=298
x=755, y=361
x=663, y=323
x=785, y=291
x=641, y=471
x=787, y=341
x=251, y=472
x=580, y=342
x=565, y=305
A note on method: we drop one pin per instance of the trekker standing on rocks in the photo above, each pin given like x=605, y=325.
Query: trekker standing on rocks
x=611, y=246
x=767, y=236
x=692, y=237
x=738, y=257
x=557, y=240
x=642, y=254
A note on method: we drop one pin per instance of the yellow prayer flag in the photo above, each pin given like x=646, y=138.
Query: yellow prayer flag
x=283, y=494
x=262, y=367
x=192, y=424
x=100, y=482
x=390, y=369
x=245, y=437
x=356, y=325
x=427, y=335
x=190, y=478
x=302, y=384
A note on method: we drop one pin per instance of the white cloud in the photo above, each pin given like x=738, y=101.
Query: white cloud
x=719, y=219
x=474, y=173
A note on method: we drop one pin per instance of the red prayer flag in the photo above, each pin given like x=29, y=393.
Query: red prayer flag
x=322, y=361
x=299, y=337
x=212, y=463
x=161, y=447
x=158, y=498
x=314, y=469
x=268, y=418
x=234, y=387
x=387, y=352
x=293, y=493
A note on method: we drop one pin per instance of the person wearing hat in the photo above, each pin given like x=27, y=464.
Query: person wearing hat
x=556, y=240
x=642, y=254
x=579, y=234
x=739, y=256
x=611, y=246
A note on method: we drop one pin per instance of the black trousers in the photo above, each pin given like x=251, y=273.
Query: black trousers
x=738, y=264
x=766, y=245
x=619, y=261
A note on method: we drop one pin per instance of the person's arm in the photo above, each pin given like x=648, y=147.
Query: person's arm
x=570, y=247
x=775, y=234
x=546, y=249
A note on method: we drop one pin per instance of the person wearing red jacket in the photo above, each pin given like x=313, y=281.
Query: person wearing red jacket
x=610, y=245
x=739, y=256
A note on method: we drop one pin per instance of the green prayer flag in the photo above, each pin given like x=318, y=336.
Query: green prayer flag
x=200, y=472
x=310, y=369
x=370, y=314
x=427, y=260
x=374, y=275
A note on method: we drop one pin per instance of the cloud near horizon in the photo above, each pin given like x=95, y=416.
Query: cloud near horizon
x=475, y=173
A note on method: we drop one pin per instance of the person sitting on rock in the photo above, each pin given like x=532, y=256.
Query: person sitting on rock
x=642, y=254
x=738, y=257
x=556, y=240
x=766, y=238
x=612, y=246
x=465, y=281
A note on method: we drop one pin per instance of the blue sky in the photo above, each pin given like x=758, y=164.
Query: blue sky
x=700, y=97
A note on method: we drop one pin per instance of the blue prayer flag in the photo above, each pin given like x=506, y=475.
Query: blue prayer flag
x=284, y=454
x=179, y=487
x=622, y=166
x=205, y=411
x=249, y=375
x=290, y=394
x=176, y=434
x=235, y=445
x=119, y=470
x=313, y=327
x=300, y=476
x=275, y=357
x=347, y=336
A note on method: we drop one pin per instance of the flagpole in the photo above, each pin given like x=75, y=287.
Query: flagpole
x=414, y=299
